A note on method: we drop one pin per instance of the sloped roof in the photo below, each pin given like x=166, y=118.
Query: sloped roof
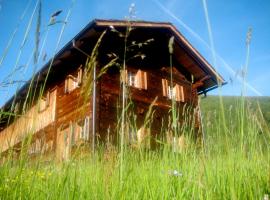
x=198, y=66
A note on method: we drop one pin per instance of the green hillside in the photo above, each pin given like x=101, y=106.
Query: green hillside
x=211, y=104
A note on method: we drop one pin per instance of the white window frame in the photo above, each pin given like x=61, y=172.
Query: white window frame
x=76, y=81
x=44, y=102
x=84, y=128
x=136, y=79
x=176, y=93
x=132, y=79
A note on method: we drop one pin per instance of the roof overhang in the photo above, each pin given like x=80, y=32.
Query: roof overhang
x=199, y=62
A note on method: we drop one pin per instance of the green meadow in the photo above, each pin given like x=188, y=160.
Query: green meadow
x=231, y=162
x=228, y=166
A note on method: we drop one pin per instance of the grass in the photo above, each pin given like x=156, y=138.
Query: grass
x=221, y=170
x=147, y=176
x=228, y=166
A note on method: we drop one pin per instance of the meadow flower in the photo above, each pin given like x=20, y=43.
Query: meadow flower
x=175, y=173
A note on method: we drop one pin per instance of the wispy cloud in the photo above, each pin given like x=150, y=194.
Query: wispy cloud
x=199, y=38
x=171, y=14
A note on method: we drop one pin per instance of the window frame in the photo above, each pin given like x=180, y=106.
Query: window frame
x=44, y=102
x=76, y=81
x=176, y=93
x=134, y=78
x=82, y=129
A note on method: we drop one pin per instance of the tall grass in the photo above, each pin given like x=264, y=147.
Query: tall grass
x=223, y=171
x=232, y=164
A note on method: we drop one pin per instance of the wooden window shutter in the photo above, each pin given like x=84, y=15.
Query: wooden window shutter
x=177, y=92
x=123, y=76
x=139, y=79
x=79, y=76
x=182, y=94
x=70, y=84
x=144, y=80
x=165, y=87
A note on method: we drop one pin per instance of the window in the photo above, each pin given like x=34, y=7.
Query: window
x=171, y=92
x=132, y=79
x=37, y=146
x=71, y=82
x=137, y=79
x=48, y=146
x=73, y=137
x=82, y=129
x=65, y=133
x=44, y=102
x=79, y=76
x=176, y=92
x=64, y=141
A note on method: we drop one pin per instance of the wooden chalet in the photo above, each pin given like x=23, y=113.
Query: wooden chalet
x=63, y=117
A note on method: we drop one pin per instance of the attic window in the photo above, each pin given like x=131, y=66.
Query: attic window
x=176, y=92
x=137, y=79
x=72, y=82
x=44, y=102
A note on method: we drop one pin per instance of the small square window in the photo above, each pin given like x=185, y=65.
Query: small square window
x=83, y=128
x=132, y=79
x=171, y=92
x=71, y=82
x=44, y=102
x=175, y=92
x=137, y=79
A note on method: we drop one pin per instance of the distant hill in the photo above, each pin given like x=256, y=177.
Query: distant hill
x=212, y=103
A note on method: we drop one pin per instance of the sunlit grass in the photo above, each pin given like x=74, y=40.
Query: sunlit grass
x=219, y=170
x=215, y=174
x=233, y=163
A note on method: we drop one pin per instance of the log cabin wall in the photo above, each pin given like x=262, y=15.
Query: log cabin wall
x=48, y=122
x=74, y=116
x=40, y=117
x=110, y=100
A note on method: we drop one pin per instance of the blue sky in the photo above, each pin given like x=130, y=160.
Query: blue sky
x=229, y=22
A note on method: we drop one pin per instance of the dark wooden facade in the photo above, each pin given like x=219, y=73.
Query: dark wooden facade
x=64, y=117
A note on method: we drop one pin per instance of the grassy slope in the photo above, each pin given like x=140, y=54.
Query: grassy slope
x=212, y=103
